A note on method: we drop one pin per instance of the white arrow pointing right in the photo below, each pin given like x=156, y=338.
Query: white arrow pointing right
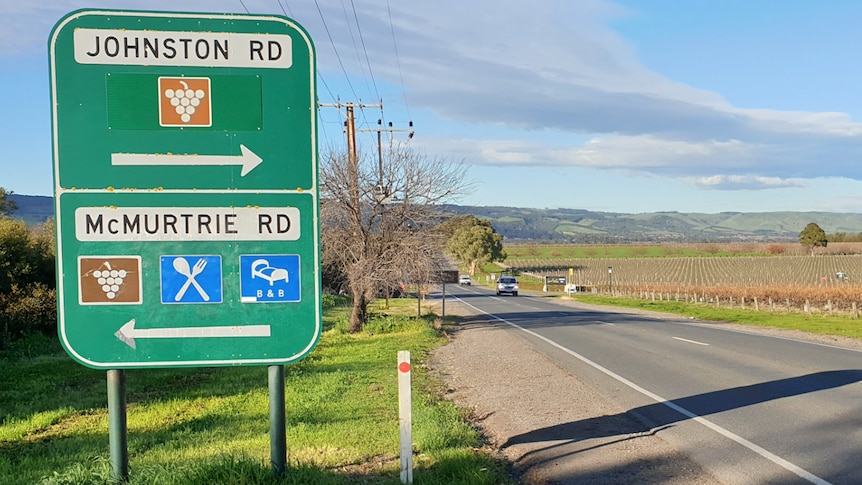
x=248, y=160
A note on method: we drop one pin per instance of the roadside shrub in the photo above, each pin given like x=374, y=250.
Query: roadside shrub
x=27, y=280
x=332, y=301
x=24, y=257
x=386, y=324
x=27, y=310
x=775, y=249
x=15, y=262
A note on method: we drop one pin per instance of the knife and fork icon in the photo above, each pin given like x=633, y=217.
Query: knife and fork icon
x=181, y=265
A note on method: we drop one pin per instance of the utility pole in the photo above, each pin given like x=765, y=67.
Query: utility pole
x=352, y=157
x=380, y=191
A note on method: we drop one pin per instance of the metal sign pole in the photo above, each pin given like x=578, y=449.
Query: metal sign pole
x=117, y=429
x=277, y=427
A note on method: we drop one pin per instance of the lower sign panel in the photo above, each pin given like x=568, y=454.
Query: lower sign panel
x=189, y=303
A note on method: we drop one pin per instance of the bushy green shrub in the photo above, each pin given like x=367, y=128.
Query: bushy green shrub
x=332, y=301
x=25, y=257
x=26, y=310
x=380, y=324
x=27, y=280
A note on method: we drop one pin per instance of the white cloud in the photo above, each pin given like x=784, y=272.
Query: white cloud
x=573, y=74
x=636, y=153
x=746, y=182
x=555, y=65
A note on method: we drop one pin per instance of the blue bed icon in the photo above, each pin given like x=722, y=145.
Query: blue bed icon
x=268, y=278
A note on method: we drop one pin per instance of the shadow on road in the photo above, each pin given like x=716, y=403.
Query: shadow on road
x=631, y=424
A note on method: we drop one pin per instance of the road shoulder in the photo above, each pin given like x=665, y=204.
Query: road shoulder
x=552, y=426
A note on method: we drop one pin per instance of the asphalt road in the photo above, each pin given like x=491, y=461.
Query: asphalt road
x=749, y=408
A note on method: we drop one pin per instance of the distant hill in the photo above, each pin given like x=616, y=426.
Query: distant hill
x=583, y=226
x=33, y=209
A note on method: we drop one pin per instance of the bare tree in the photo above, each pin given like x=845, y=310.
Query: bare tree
x=377, y=219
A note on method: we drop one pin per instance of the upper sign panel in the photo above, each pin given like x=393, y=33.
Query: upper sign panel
x=150, y=101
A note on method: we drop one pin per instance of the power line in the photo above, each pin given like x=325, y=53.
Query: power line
x=398, y=60
x=358, y=58
x=364, y=49
x=319, y=75
x=288, y=8
x=355, y=47
x=335, y=49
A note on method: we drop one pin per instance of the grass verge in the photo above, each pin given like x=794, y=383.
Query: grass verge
x=211, y=425
x=817, y=324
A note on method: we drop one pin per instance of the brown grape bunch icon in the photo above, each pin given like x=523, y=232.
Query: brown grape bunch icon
x=110, y=280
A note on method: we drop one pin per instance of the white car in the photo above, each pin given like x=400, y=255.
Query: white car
x=464, y=279
x=507, y=284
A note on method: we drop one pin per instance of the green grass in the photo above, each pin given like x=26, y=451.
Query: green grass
x=817, y=324
x=211, y=425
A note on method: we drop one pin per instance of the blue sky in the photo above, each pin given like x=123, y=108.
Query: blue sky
x=626, y=106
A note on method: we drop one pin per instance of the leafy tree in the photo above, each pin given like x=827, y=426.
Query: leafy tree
x=812, y=237
x=475, y=242
x=7, y=205
x=448, y=227
x=377, y=220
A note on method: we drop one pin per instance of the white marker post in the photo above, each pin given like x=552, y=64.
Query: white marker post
x=405, y=415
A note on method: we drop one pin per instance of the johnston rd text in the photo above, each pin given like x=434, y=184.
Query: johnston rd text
x=203, y=49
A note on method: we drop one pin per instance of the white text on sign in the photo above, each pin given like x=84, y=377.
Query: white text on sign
x=204, y=49
x=107, y=224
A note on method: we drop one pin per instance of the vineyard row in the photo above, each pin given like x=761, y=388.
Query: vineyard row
x=813, y=284
x=748, y=271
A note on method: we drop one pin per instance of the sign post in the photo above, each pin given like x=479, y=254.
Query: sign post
x=185, y=186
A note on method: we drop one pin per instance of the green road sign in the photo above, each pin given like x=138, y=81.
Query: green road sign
x=185, y=173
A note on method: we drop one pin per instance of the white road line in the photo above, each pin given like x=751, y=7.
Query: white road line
x=690, y=341
x=709, y=424
x=606, y=323
x=755, y=334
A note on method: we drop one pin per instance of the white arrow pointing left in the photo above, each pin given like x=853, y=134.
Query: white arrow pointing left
x=128, y=333
x=248, y=160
